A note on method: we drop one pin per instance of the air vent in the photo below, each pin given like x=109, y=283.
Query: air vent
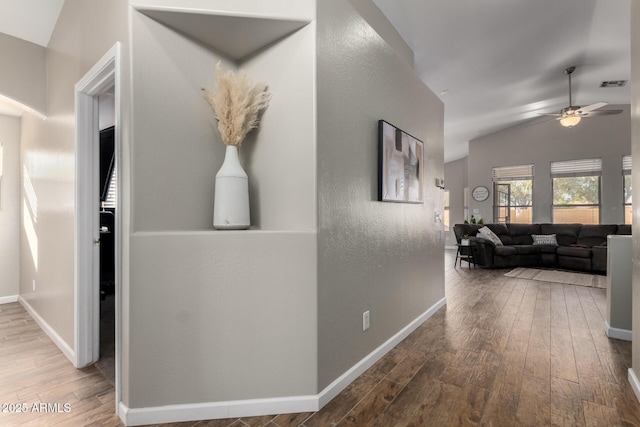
x=613, y=83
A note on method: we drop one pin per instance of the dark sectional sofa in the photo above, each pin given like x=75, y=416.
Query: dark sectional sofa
x=580, y=246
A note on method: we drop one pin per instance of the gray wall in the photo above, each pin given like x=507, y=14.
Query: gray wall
x=379, y=23
x=635, y=134
x=607, y=137
x=10, y=206
x=86, y=30
x=382, y=257
x=455, y=180
x=23, y=72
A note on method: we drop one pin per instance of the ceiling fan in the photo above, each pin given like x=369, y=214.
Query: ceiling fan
x=573, y=114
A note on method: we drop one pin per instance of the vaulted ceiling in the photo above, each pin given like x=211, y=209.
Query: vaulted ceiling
x=498, y=63
x=494, y=63
x=31, y=20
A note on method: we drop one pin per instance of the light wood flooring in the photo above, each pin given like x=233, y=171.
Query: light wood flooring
x=503, y=352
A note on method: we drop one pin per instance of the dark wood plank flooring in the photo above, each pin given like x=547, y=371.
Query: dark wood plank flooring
x=503, y=352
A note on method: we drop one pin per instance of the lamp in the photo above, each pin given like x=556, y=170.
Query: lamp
x=570, y=121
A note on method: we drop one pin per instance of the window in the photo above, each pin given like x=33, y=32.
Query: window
x=513, y=194
x=626, y=179
x=446, y=211
x=576, y=191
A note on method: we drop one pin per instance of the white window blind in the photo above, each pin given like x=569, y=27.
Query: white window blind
x=626, y=164
x=110, y=201
x=585, y=167
x=512, y=172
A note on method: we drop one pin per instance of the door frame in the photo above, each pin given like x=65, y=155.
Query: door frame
x=106, y=73
x=496, y=202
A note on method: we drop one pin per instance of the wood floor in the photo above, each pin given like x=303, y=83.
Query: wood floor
x=503, y=352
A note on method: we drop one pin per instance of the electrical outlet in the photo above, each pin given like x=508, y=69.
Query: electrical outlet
x=365, y=320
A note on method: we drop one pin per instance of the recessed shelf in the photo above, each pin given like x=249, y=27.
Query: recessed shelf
x=234, y=36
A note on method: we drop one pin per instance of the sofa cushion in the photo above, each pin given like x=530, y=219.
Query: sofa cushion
x=505, y=250
x=595, y=234
x=624, y=229
x=502, y=232
x=526, y=249
x=574, y=251
x=599, y=258
x=547, y=249
x=521, y=233
x=566, y=234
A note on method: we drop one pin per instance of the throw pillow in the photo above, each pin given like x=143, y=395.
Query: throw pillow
x=486, y=233
x=544, y=239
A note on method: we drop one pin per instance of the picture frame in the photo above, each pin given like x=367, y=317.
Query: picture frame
x=400, y=165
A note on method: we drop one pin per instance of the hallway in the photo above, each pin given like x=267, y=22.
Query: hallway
x=503, y=352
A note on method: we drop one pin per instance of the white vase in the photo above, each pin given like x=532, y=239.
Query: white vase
x=231, y=204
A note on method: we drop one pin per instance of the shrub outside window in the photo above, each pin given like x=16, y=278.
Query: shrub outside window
x=576, y=191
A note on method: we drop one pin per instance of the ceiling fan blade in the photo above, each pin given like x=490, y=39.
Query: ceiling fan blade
x=602, y=113
x=540, y=120
x=592, y=107
x=551, y=114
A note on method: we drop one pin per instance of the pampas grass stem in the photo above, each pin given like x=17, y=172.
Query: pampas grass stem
x=236, y=103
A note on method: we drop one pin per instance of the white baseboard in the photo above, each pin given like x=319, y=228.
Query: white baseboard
x=635, y=384
x=9, y=299
x=619, y=334
x=216, y=410
x=47, y=329
x=258, y=407
x=333, y=389
x=453, y=248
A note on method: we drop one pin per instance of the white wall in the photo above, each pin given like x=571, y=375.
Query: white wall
x=23, y=72
x=606, y=137
x=10, y=207
x=383, y=257
x=106, y=111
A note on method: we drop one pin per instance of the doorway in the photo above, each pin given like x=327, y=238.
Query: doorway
x=108, y=191
x=92, y=225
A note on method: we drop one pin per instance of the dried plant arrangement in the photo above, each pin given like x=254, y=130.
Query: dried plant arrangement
x=237, y=103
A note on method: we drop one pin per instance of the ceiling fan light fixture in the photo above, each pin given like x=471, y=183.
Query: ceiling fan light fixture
x=570, y=121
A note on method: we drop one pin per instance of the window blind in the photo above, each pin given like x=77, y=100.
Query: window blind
x=585, y=167
x=512, y=172
x=626, y=164
x=110, y=201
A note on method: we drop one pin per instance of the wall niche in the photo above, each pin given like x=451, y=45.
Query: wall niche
x=177, y=149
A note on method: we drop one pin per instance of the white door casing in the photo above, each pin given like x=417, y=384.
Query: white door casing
x=104, y=75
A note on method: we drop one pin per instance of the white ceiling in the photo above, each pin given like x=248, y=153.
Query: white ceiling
x=502, y=61
x=31, y=20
